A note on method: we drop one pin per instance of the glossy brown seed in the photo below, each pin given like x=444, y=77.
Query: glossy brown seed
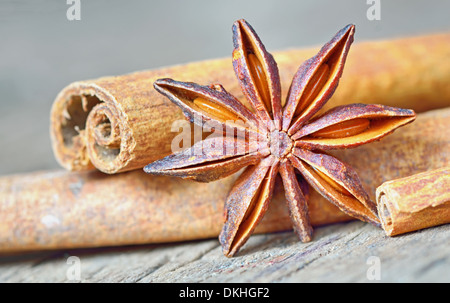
x=343, y=129
x=215, y=110
x=314, y=87
x=260, y=79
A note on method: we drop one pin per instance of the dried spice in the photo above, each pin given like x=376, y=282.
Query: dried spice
x=286, y=137
x=415, y=202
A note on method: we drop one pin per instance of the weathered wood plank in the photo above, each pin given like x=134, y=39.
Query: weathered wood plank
x=339, y=253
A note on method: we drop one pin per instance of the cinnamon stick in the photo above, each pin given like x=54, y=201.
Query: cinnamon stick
x=121, y=123
x=415, y=202
x=47, y=210
x=60, y=209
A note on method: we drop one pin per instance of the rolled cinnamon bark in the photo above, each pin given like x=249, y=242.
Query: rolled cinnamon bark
x=415, y=202
x=118, y=124
x=46, y=210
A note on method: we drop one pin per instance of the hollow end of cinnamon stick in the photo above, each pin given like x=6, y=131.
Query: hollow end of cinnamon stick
x=414, y=202
x=384, y=213
x=105, y=124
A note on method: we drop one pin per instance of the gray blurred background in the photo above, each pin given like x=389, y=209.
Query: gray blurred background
x=41, y=51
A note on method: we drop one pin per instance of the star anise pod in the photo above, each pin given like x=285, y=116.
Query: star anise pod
x=278, y=139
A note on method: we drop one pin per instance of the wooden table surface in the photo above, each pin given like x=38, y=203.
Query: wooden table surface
x=345, y=252
x=42, y=52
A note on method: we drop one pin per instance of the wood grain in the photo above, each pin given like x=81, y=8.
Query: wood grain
x=343, y=252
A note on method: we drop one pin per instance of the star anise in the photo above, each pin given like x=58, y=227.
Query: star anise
x=277, y=139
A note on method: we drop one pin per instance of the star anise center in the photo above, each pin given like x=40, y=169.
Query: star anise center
x=280, y=144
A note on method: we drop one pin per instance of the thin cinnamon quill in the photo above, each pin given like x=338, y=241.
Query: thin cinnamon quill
x=49, y=210
x=118, y=124
x=415, y=202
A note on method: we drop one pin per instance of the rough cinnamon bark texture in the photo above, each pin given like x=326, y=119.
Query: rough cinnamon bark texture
x=121, y=123
x=415, y=202
x=60, y=209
